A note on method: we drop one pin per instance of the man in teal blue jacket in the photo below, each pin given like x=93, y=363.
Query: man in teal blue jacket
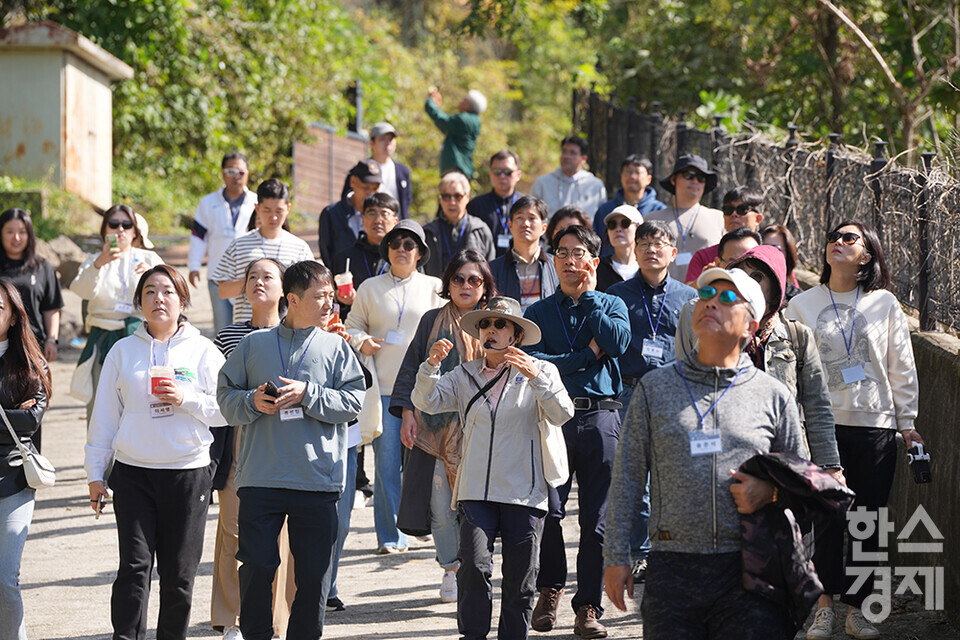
x=461, y=129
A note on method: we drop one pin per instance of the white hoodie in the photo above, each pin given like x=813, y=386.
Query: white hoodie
x=121, y=420
x=584, y=190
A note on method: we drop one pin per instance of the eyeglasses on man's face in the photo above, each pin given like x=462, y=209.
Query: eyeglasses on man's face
x=578, y=253
x=230, y=172
x=503, y=173
x=694, y=175
x=452, y=197
x=740, y=209
x=656, y=245
x=725, y=296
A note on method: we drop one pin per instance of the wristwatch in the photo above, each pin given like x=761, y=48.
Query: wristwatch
x=55, y=341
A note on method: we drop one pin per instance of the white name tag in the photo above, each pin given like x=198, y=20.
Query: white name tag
x=291, y=413
x=704, y=443
x=651, y=349
x=503, y=241
x=353, y=435
x=684, y=258
x=161, y=410
x=853, y=374
x=394, y=337
x=123, y=307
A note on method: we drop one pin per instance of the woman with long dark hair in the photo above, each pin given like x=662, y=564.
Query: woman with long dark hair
x=867, y=356
x=24, y=393
x=33, y=276
x=435, y=440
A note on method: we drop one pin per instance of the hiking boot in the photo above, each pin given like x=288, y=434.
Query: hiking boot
x=822, y=626
x=858, y=626
x=639, y=571
x=587, y=624
x=545, y=612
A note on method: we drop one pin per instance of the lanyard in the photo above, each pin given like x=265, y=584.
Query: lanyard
x=563, y=323
x=502, y=216
x=446, y=245
x=166, y=352
x=283, y=363
x=703, y=416
x=369, y=270
x=846, y=344
x=400, y=306
x=680, y=230
x=643, y=297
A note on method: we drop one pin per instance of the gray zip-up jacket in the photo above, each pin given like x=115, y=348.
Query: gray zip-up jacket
x=691, y=507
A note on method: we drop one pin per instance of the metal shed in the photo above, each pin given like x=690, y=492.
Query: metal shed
x=56, y=109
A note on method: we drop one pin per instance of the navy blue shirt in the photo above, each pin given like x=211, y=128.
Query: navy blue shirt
x=495, y=211
x=663, y=303
x=567, y=329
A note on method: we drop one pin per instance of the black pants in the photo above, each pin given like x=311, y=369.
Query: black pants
x=869, y=459
x=692, y=596
x=312, y=525
x=592, y=438
x=162, y=512
x=519, y=528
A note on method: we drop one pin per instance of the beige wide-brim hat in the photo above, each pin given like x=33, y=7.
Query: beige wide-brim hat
x=501, y=307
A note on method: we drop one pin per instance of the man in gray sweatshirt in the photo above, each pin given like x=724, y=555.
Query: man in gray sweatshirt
x=692, y=425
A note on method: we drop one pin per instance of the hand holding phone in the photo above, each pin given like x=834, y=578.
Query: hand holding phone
x=101, y=500
x=271, y=390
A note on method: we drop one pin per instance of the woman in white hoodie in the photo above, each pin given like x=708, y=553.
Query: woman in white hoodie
x=158, y=428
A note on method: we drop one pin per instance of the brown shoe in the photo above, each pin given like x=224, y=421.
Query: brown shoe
x=545, y=613
x=587, y=625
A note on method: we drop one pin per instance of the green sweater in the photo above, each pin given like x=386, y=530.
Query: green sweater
x=461, y=130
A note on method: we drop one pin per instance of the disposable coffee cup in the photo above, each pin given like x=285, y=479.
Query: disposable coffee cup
x=344, y=284
x=158, y=375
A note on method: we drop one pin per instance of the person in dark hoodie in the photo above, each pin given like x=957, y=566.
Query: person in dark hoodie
x=691, y=425
x=636, y=174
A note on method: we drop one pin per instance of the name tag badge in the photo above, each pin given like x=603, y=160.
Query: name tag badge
x=651, y=349
x=853, y=374
x=394, y=337
x=683, y=258
x=123, y=307
x=161, y=410
x=353, y=435
x=291, y=413
x=704, y=443
x=503, y=241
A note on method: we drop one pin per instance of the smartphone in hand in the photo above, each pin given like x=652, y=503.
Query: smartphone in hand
x=100, y=502
x=271, y=390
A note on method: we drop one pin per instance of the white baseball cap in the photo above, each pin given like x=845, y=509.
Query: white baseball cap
x=629, y=212
x=748, y=288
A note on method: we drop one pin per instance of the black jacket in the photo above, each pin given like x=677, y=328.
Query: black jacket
x=25, y=423
x=444, y=243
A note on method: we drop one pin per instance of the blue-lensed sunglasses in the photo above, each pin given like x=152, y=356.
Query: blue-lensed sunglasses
x=727, y=296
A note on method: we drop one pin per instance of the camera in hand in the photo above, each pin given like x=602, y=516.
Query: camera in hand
x=271, y=390
x=920, y=463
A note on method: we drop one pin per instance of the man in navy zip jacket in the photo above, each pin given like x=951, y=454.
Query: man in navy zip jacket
x=341, y=222
x=526, y=272
x=583, y=333
x=636, y=174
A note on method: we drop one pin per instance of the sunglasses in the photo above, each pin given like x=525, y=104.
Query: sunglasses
x=694, y=175
x=499, y=323
x=452, y=197
x=623, y=223
x=403, y=243
x=847, y=238
x=234, y=173
x=458, y=281
x=116, y=224
x=727, y=296
x=502, y=172
x=740, y=210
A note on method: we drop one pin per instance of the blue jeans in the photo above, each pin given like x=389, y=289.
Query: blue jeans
x=222, y=309
x=344, y=508
x=443, y=519
x=16, y=512
x=640, y=536
x=386, y=484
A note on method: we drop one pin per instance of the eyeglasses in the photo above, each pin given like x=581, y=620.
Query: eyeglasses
x=459, y=281
x=403, y=243
x=694, y=175
x=727, y=296
x=379, y=214
x=656, y=246
x=499, y=323
x=623, y=223
x=740, y=210
x=847, y=238
x=116, y=224
x=234, y=173
x=577, y=252
x=504, y=173
x=452, y=197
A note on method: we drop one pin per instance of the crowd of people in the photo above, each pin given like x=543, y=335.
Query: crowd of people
x=661, y=353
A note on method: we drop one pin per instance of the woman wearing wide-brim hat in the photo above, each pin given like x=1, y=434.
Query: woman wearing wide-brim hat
x=507, y=400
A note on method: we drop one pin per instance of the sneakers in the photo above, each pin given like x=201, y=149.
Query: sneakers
x=335, y=604
x=232, y=633
x=858, y=626
x=387, y=549
x=448, y=586
x=587, y=624
x=639, y=571
x=822, y=626
x=545, y=612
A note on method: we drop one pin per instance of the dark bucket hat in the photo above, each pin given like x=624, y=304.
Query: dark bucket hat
x=691, y=161
x=410, y=228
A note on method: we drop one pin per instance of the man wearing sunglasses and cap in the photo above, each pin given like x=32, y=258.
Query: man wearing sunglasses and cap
x=342, y=222
x=504, y=399
x=692, y=425
x=696, y=226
